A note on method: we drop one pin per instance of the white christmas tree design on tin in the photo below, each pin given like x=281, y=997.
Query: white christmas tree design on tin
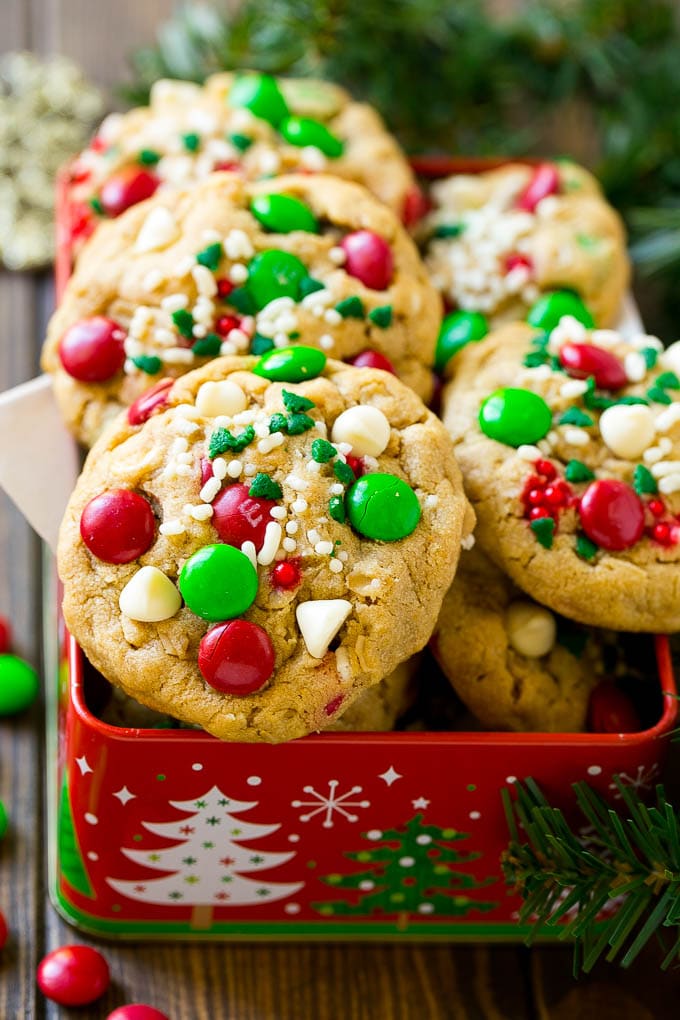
x=209, y=863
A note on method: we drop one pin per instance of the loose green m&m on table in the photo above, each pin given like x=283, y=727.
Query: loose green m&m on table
x=291, y=364
x=383, y=506
x=260, y=94
x=218, y=582
x=274, y=274
x=457, y=330
x=18, y=684
x=555, y=304
x=282, y=214
x=4, y=822
x=307, y=131
x=515, y=417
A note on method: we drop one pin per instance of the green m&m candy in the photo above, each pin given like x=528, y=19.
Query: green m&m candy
x=291, y=364
x=4, y=822
x=306, y=131
x=18, y=684
x=218, y=582
x=457, y=330
x=274, y=274
x=260, y=94
x=282, y=213
x=515, y=417
x=382, y=506
x=553, y=305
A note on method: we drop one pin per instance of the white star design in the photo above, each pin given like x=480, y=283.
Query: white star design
x=124, y=795
x=420, y=802
x=390, y=776
x=84, y=765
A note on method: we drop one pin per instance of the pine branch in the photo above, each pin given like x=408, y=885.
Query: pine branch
x=632, y=855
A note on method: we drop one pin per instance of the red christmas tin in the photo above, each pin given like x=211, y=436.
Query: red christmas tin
x=174, y=834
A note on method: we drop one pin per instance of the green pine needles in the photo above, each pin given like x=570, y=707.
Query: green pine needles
x=631, y=854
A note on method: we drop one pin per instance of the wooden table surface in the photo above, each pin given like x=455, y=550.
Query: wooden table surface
x=230, y=982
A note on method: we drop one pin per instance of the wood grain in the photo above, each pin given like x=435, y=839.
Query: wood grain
x=224, y=982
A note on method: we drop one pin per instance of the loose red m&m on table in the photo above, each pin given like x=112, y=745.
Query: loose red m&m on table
x=218, y=582
x=118, y=526
x=236, y=657
x=73, y=975
x=3, y=820
x=92, y=350
x=19, y=685
x=137, y=1011
x=239, y=517
x=612, y=514
x=372, y=359
x=543, y=182
x=383, y=506
x=4, y=931
x=368, y=257
x=5, y=634
x=612, y=711
x=515, y=417
x=154, y=398
x=126, y=188
x=584, y=360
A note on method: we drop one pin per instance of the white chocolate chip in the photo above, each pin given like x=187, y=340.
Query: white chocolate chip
x=364, y=428
x=627, y=429
x=149, y=596
x=223, y=397
x=158, y=230
x=319, y=621
x=531, y=629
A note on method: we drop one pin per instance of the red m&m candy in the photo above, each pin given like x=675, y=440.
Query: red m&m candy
x=416, y=205
x=368, y=258
x=137, y=1011
x=372, y=359
x=73, y=975
x=154, y=398
x=92, y=350
x=239, y=517
x=118, y=526
x=583, y=360
x=128, y=187
x=4, y=932
x=611, y=711
x=236, y=657
x=544, y=181
x=612, y=514
x=5, y=635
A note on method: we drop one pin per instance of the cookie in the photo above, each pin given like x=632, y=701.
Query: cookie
x=261, y=550
x=495, y=241
x=232, y=267
x=514, y=664
x=569, y=443
x=249, y=123
x=374, y=711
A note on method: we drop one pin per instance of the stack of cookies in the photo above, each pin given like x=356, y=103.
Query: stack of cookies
x=269, y=521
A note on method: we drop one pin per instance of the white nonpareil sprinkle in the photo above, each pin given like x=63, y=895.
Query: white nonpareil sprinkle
x=219, y=466
x=665, y=467
x=249, y=470
x=326, y=342
x=158, y=230
x=289, y=544
x=184, y=266
x=178, y=356
x=375, y=584
x=270, y=161
x=272, y=541
x=210, y=489
x=312, y=158
x=323, y=548
x=635, y=367
x=467, y=542
x=337, y=489
x=172, y=528
x=332, y=317
x=668, y=418
x=183, y=426
x=669, y=484
x=200, y=513
x=248, y=549
x=576, y=437
x=292, y=527
x=297, y=483
x=337, y=256
x=238, y=273
x=318, y=299
x=278, y=513
x=313, y=467
x=606, y=337
x=164, y=337
x=657, y=452
x=234, y=468
x=431, y=501
x=227, y=348
x=265, y=445
x=179, y=445
x=278, y=439
x=299, y=506
x=237, y=245
x=528, y=452
x=344, y=556
x=199, y=331
x=573, y=388
x=205, y=281
x=154, y=278
x=336, y=566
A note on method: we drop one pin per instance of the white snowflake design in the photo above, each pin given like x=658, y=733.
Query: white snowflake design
x=330, y=805
x=643, y=779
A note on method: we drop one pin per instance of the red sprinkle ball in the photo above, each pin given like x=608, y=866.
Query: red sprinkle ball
x=93, y=350
x=154, y=399
x=73, y=975
x=286, y=574
x=236, y=657
x=545, y=495
x=544, y=181
x=372, y=359
x=118, y=526
x=224, y=288
x=226, y=323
